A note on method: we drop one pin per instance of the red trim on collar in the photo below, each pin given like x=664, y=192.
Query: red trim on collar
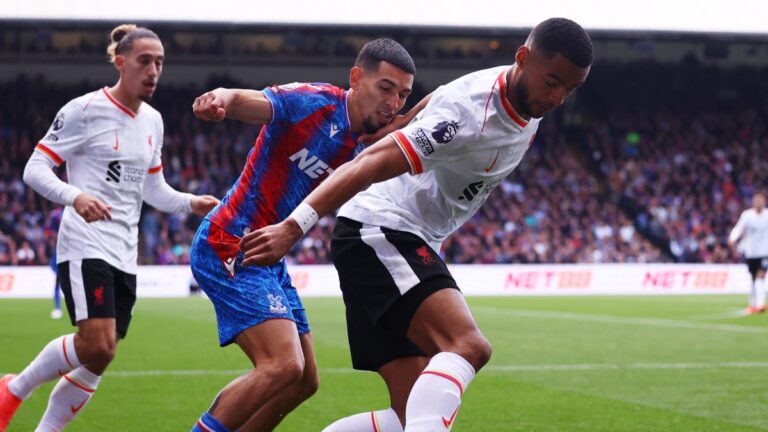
x=507, y=106
x=122, y=107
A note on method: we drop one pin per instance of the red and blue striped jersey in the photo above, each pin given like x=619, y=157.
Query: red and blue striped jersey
x=308, y=137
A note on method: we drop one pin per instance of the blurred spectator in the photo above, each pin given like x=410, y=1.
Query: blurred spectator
x=641, y=166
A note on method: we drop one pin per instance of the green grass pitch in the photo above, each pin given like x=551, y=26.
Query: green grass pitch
x=559, y=364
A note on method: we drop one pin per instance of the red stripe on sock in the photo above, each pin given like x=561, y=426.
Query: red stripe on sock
x=202, y=426
x=373, y=420
x=64, y=347
x=78, y=385
x=448, y=377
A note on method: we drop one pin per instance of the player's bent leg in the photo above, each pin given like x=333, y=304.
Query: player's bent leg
x=445, y=329
x=275, y=351
x=399, y=375
x=760, y=290
x=68, y=398
x=443, y=323
x=57, y=358
x=94, y=345
x=273, y=412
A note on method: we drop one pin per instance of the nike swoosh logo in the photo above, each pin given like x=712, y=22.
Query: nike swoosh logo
x=446, y=422
x=117, y=143
x=489, y=168
x=229, y=264
x=334, y=130
x=76, y=409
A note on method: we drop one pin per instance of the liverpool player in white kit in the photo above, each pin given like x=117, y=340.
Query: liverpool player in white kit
x=406, y=318
x=111, y=141
x=753, y=227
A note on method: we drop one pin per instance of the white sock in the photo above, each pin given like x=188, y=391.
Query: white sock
x=753, y=294
x=374, y=421
x=56, y=359
x=436, y=396
x=71, y=394
x=760, y=293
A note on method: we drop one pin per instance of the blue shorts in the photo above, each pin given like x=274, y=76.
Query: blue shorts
x=242, y=296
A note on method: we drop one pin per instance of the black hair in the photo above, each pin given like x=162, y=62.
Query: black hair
x=123, y=36
x=379, y=50
x=561, y=35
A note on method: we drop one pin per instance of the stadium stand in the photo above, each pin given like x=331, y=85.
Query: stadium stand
x=649, y=162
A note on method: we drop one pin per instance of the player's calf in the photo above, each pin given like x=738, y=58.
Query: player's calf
x=68, y=398
x=436, y=397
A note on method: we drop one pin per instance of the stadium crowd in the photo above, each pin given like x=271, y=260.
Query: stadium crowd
x=687, y=147
x=647, y=163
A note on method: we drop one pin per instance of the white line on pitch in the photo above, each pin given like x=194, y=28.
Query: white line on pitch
x=656, y=322
x=619, y=366
x=719, y=316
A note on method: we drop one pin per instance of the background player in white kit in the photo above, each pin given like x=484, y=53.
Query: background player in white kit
x=753, y=226
x=111, y=141
x=403, y=307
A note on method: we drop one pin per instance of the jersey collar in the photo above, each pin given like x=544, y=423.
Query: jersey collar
x=122, y=107
x=517, y=118
x=354, y=135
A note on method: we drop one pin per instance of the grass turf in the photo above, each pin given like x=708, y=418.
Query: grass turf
x=559, y=364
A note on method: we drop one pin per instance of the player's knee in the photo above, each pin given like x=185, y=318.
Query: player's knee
x=284, y=371
x=96, y=348
x=293, y=369
x=476, y=350
x=309, y=384
x=101, y=352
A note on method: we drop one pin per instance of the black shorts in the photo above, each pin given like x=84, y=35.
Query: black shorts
x=384, y=276
x=94, y=289
x=756, y=264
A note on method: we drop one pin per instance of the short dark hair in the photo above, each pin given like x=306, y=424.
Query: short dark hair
x=561, y=35
x=379, y=50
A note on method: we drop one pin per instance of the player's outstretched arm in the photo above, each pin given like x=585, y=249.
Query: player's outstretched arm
x=382, y=161
x=248, y=106
x=397, y=123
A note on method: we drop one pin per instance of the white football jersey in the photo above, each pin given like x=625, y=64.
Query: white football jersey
x=754, y=227
x=109, y=151
x=460, y=147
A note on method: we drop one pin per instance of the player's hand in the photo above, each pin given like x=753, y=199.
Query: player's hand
x=397, y=122
x=212, y=105
x=268, y=245
x=91, y=208
x=203, y=204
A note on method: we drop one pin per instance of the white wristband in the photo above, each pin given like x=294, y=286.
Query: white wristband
x=305, y=216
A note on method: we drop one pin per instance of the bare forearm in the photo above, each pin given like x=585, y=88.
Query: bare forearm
x=249, y=106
